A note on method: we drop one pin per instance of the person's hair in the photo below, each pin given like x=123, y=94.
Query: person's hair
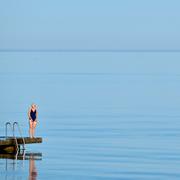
x=33, y=104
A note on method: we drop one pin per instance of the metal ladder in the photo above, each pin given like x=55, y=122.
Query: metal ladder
x=6, y=126
x=16, y=124
x=13, y=132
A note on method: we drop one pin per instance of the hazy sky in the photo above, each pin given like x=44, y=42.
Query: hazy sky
x=92, y=24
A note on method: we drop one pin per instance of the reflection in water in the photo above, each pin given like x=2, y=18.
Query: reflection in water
x=20, y=158
x=32, y=169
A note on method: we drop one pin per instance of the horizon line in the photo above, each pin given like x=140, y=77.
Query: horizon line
x=92, y=50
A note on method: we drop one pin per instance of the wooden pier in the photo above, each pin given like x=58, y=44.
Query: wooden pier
x=21, y=156
x=9, y=144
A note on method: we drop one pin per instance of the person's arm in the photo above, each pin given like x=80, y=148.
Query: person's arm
x=36, y=115
x=29, y=116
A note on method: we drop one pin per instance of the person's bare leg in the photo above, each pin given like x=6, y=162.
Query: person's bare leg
x=30, y=129
x=32, y=132
x=34, y=127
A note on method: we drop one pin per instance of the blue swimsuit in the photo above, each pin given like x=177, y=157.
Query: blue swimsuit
x=33, y=115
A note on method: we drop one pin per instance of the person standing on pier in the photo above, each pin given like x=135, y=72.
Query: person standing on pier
x=32, y=115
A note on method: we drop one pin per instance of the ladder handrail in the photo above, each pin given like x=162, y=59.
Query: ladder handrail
x=6, y=125
x=16, y=123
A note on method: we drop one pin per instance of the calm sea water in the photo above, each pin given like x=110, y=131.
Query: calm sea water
x=101, y=115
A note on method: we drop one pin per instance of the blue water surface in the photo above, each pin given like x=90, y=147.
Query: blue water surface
x=102, y=115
